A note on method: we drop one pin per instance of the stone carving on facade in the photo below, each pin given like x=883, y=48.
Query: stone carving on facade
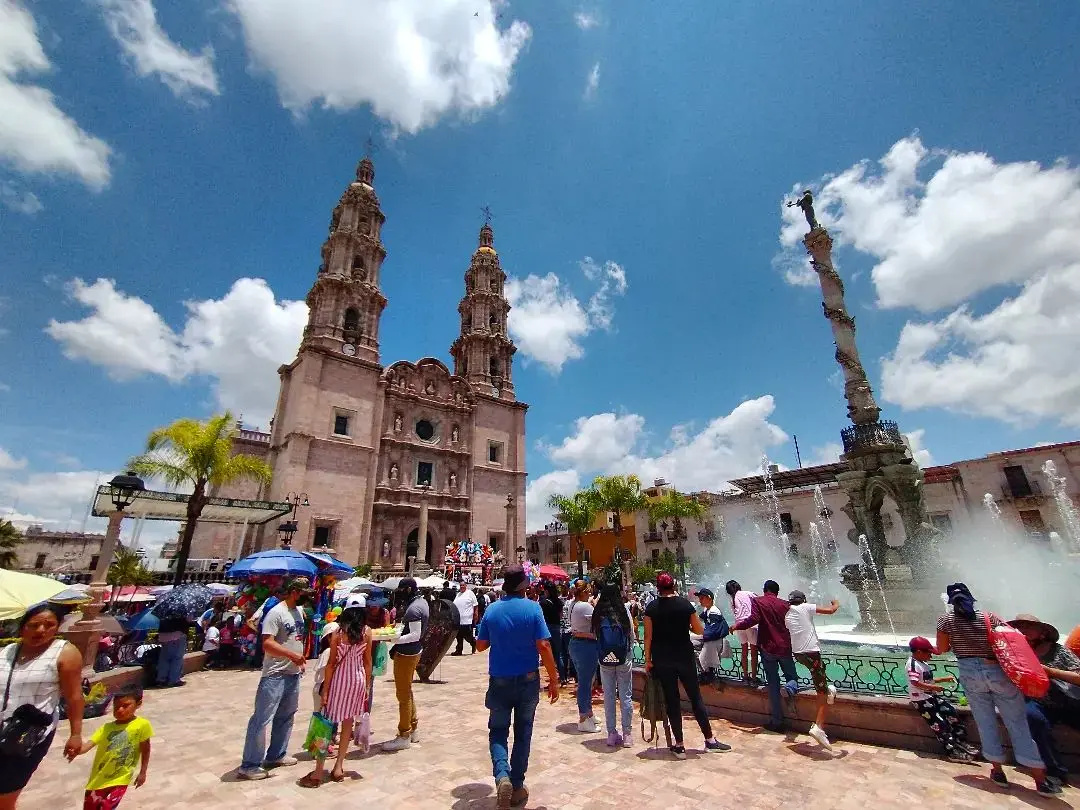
x=397, y=423
x=453, y=481
x=393, y=472
x=849, y=363
x=806, y=203
x=429, y=388
x=386, y=548
x=826, y=269
x=454, y=429
x=838, y=315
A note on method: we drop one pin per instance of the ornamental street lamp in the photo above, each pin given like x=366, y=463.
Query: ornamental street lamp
x=288, y=529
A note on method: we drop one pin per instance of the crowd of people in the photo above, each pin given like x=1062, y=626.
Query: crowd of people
x=586, y=632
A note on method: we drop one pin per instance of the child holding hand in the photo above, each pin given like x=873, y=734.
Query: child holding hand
x=926, y=694
x=121, y=745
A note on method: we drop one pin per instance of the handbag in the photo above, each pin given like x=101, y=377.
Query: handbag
x=320, y=734
x=362, y=732
x=1017, y=660
x=653, y=709
x=27, y=727
x=716, y=630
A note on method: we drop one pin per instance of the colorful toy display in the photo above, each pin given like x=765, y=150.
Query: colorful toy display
x=470, y=562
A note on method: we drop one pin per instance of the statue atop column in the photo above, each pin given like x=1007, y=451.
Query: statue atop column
x=806, y=203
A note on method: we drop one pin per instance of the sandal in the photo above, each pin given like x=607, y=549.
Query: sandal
x=335, y=778
x=309, y=781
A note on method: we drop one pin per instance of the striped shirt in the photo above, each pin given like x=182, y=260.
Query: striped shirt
x=968, y=639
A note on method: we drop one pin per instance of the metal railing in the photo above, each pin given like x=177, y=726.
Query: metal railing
x=875, y=434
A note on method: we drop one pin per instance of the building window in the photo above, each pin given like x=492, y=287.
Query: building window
x=1032, y=521
x=322, y=537
x=424, y=472
x=352, y=320
x=341, y=424
x=495, y=452
x=941, y=521
x=358, y=263
x=94, y=561
x=493, y=541
x=1017, y=482
x=493, y=367
x=40, y=561
x=425, y=430
x=787, y=525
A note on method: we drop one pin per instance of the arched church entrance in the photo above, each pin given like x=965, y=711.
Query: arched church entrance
x=412, y=546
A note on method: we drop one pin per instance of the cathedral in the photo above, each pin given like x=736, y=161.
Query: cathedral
x=381, y=451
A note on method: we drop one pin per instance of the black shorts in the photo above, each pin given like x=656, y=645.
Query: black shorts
x=15, y=772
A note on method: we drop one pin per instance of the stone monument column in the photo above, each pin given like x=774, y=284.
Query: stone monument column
x=421, y=534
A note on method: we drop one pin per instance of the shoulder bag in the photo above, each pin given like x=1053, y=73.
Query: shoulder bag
x=27, y=727
x=1017, y=660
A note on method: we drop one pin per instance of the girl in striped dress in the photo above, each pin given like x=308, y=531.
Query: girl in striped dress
x=345, y=686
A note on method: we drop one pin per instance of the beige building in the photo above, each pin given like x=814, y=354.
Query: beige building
x=953, y=495
x=58, y=552
x=373, y=447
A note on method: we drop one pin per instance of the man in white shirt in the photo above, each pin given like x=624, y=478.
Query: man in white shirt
x=468, y=608
x=806, y=649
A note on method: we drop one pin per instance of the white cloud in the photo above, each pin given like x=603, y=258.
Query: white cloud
x=413, y=61
x=547, y=321
x=35, y=135
x=828, y=453
x=133, y=24
x=560, y=482
x=915, y=440
x=50, y=497
x=586, y=20
x=592, y=81
x=238, y=340
x=728, y=447
x=994, y=241
x=9, y=462
x=19, y=201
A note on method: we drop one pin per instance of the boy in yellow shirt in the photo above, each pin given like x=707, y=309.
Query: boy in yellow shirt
x=121, y=745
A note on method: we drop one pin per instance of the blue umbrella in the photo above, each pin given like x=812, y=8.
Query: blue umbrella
x=184, y=602
x=329, y=564
x=275, y=561
x=144, y=620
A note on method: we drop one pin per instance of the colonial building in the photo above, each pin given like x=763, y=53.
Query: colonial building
x=43, y=552
x=379, y=451
x=954, y=494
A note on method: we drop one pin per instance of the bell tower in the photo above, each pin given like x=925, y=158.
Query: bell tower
x=483, y=352
x=345, y=304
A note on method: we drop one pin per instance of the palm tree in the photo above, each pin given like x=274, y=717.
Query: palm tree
x=127, y=568
x=10, y=537
x=675, y=506
x=619, y=494
x=197, y=454
x=578, y=512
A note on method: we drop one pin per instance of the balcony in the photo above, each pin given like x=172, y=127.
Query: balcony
x=1015, y=490
x=882, y=434
x=653, y=537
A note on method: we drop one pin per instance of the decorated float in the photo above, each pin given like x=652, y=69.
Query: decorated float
x=471, y=562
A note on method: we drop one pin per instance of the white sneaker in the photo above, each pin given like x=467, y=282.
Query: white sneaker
x=396, y=744
x=628, y=739
x=415, y=736
x=819, y=735
x=284, y=762
x=588, y=725
x=830, y=697
x=253, y=775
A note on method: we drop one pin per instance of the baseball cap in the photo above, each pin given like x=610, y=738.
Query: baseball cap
x=355, y=600
x=406, y=583
x=705, y=592
x=920, y=644
x=796, y=597
x=297, y=584
x=514, y=579
x=665, y=581
x=328, y=628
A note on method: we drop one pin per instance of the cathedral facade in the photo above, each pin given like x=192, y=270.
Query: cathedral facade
x=380, y=451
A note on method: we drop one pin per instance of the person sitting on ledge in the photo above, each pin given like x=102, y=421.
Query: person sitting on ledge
x=1062, y=703
x=927, y=696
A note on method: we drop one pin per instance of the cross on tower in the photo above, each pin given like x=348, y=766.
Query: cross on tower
x=488, y=216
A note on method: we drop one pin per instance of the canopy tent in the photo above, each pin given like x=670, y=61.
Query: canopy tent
x=329, y=564
x=346, y=586
x=391, y=583
x=152, y=505
x=553, y=572
x=432, y=581
x=279, y=562
x=129, y=593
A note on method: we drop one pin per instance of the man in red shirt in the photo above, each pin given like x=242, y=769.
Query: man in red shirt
x=767, y=614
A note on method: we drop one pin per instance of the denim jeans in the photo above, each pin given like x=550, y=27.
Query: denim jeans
x=1041, y=723
x=556, y=641
x=987, y=688
x=171, y=662
x=519, y=696
x=275, y=705
x=564, y=655
x=772, y=664
x=618, y=679
x=586, y=655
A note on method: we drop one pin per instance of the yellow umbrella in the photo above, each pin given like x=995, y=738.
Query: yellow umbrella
x=20, y=591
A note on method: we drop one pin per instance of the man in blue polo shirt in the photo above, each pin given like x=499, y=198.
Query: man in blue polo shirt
x=515, y=630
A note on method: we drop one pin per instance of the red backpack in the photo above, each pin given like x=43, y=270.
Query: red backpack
x=1018, y=661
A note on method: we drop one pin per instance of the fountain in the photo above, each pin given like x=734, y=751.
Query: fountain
x=1070, y=518
x=774, y=509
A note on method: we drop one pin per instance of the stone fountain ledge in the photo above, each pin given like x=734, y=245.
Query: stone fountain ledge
x=871, y=719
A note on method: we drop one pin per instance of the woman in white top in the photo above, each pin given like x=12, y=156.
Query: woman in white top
x=37, y=671
x=585, y=655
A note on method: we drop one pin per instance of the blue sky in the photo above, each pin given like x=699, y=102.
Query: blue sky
x=170, y=148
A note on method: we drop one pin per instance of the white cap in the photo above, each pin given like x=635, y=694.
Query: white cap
x=328, y=628
x=356, y=600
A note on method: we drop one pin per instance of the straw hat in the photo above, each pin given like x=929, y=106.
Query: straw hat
x=1025, y=620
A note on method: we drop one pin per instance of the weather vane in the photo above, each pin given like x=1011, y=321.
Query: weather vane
x=488, y=216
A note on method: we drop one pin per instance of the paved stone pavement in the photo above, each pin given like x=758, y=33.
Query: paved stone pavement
x=200, y=730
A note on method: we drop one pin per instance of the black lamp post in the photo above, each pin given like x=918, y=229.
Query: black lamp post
x=289, y=527
x=124, y=489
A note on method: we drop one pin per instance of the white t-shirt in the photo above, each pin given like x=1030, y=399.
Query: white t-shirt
x=465, y=603
x=918, y=672
x=800, y=624
x=212, y=639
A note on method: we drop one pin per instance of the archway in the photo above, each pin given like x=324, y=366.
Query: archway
x=412, y=546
